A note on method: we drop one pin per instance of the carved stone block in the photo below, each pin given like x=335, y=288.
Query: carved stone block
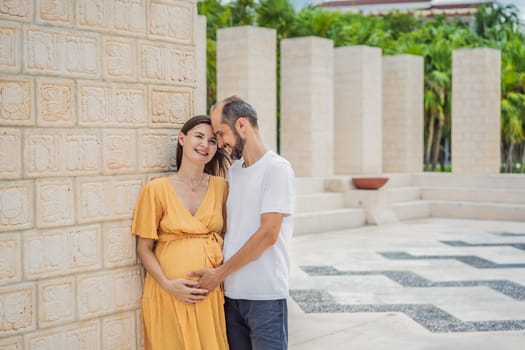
x=124, y=195
x=118, y=332
x=14, y=343
x=111, y=105
x=57, y=252
x=128, y=288
x=21, y=10
x=169, y=107
x=119, y=151
x=165, y=63
x=109, y=291
x=58, y=152
x=42, y=152
x=172, y=21
x=95, y=295
x=10, y=39
x=10, y=258
x=119, y=56
x=157, y=150
x=56, y=302
x=103, y=198
x=55, y=12
x=116, y=16
x=42, y=50
x=119, y=244
x=10, y=153
x=55, y=204
x=55, y=102
x=17, y=309
x=16, y=107
x=61, y=52
x=16, y=209
x=82, y=152
x=93, y=202
x=80, y=336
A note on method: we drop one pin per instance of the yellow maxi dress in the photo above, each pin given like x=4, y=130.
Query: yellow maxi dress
x=184, y=242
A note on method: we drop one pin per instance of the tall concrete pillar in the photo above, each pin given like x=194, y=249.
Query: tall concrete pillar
x=307, y=124
x=246, y=67
x=476, y=106
x=200, y=61
x=403, y=83
x=357, y=105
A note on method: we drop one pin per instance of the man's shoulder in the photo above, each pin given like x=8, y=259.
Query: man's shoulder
x=276, y=160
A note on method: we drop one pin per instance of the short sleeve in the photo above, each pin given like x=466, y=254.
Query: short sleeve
x=278, y=195
x=147, y=215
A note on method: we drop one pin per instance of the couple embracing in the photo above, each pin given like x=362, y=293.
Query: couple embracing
x=216, y=250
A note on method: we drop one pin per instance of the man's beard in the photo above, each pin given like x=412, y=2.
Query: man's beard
x=239, y=146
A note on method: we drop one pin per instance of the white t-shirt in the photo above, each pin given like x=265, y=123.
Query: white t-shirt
x=267, y=186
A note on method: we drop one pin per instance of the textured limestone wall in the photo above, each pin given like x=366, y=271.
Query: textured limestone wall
x=246, y=67
x=92, y=94
x=201, y=92
x=307, y=105
x=403, y=79
x=358, y=140
x=476, y=109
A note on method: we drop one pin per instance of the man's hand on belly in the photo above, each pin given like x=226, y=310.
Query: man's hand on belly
x=209, y=279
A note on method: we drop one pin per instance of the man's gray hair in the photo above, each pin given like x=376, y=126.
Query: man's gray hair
x=233, y=108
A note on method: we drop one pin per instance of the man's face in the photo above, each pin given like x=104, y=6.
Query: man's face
x=227, y=137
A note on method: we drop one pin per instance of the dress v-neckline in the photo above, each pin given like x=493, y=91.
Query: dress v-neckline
x=177, y=198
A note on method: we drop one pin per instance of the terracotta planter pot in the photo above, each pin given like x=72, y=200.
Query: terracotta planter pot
x=369, y=183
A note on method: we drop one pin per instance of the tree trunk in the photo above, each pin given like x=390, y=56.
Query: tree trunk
x=437, y=142
x=522, y=170
x=509, y=158
x=430, y=137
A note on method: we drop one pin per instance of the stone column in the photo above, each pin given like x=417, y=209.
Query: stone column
x=403, y=113
x=200, y=62
x=476, y=106
x=357, y=105
x=307, y=124
x=246, y=67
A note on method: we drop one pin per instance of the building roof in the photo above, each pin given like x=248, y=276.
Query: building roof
x=424, y=7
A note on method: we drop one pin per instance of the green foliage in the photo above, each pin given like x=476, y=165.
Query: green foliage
x=434, y=39
x=217, y=16
x=242, y=12
x=277, y=14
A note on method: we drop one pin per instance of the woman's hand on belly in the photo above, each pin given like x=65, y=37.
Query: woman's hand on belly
x=184, y=290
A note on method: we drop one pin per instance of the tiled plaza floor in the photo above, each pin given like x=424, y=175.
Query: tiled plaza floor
x=426, y=284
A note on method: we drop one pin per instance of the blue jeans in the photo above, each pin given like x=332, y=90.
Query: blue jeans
x=256, y=324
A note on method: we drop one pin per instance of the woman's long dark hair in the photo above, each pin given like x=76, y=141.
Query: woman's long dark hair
x=220, y=162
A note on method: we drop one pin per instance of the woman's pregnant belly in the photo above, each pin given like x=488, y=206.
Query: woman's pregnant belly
x=178, y=257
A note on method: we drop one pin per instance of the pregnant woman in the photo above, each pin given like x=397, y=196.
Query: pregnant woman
x=179, y=222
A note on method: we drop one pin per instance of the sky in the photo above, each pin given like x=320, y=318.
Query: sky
x=520, y=4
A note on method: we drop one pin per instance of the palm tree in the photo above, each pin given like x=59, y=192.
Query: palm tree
x=513, y=103
x=277, y=14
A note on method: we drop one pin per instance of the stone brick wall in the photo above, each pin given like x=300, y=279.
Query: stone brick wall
x=92, y=95
x=247, y=67
x=403, y=113
x=476, y=111
x=358, y=96
x=307, y=105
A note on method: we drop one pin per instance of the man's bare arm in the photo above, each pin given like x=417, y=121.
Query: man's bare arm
x=262, y=239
